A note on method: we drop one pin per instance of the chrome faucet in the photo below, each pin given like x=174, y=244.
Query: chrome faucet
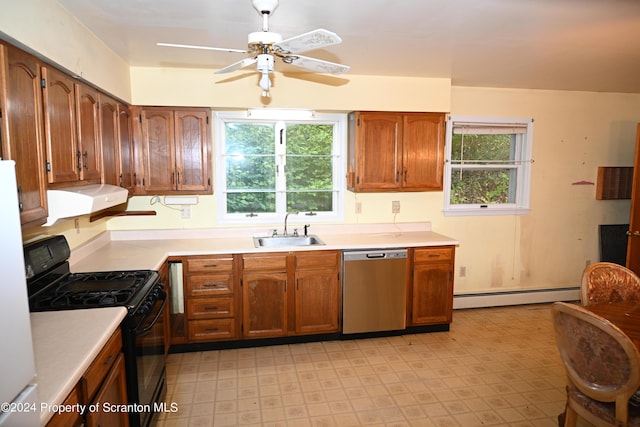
x=285, y=220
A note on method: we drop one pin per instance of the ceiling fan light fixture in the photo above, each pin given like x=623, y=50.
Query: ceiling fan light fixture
x=265, y=83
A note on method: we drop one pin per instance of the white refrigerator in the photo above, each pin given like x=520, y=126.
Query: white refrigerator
x=19, y=404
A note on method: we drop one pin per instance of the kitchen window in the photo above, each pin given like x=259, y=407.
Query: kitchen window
x=487, y=166
x=272, y=162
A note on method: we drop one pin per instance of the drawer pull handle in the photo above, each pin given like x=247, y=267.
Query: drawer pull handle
x=210, y=265
x=209, y=308
x=212, y=285
x=109, y=359
x=211, y=329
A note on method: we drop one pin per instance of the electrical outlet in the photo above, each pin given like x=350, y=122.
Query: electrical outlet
x=463, y=271
x=395, y=206
x=186, y=211
x=76, y=223
x=587, y=263
x=358, y=207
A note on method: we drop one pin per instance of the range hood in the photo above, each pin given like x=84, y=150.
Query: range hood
x=83, y=200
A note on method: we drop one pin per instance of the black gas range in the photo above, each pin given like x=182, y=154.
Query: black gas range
x=52, y=286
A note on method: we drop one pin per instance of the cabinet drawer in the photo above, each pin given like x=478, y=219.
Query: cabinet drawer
x=97, y=372
x=207, y=308
x=209, y=264
x=329, y=259
x=442, y=253
x=212, y=329
x=211, y=284
x=261, y=262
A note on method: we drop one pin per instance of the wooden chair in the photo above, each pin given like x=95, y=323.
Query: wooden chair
x=602, y=365
x=608, y=282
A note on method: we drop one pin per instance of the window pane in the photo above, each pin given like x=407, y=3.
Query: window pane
x=249, y=138
x=309, y=139
x=309, y=167
x=251, y=173
x=486, y=148
x=488, y=186
x=310, y=201
x=309, y=173
x=251, y=202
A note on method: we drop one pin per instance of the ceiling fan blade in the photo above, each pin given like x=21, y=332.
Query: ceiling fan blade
x=318, y=65
x=237, y=65
x=308, y=41
x=190, y=46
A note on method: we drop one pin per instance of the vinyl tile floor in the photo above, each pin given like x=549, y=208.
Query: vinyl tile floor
x=495, y=367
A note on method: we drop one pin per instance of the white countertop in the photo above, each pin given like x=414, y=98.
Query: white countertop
x=147, y=249
x=65, y=343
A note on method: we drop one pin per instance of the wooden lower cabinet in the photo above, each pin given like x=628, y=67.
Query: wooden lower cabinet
x=430, y=299
x=113, y=392
x=210, y=298
x=71, y=418
x=317, y=292
x=104, y=382
x=264, y=295
x=291, y=294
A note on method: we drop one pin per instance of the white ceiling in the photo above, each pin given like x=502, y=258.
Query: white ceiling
x=591, y=45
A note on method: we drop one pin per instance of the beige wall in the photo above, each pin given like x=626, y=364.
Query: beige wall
x=574, y=133
x=47, y=29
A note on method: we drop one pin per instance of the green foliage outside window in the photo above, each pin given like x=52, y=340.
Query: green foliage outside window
x=483, y=182
x=251, y=158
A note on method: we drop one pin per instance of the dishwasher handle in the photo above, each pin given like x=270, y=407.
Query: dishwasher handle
x=374, y=255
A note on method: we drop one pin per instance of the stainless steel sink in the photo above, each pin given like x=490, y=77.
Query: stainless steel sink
x=274, y=241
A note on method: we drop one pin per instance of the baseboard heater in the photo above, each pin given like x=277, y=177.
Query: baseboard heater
x=529, y=296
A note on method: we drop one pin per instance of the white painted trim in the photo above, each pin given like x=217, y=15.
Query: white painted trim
x=533, y=296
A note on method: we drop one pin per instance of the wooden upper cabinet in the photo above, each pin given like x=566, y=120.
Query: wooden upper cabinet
x=109, y=140
x=175, y=150
x=423, y=151
x=125, y=145
x=377, y=154
x=391, y=151
x=158, y=152
x=192, y=150
x=71, y=125
x=21, y=130
x=63, y=155
x=88, y=132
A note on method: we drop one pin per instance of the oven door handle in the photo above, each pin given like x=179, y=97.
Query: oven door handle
x=143, y=331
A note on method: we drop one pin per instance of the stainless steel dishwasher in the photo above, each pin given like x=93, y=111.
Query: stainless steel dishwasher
x=374, y=290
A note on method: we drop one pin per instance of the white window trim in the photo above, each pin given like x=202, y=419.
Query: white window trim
x=292, y=116
x=522, y=205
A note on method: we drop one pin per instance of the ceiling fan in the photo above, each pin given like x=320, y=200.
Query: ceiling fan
x=266, y=45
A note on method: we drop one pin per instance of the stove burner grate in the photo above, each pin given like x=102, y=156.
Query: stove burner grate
x=91, y=290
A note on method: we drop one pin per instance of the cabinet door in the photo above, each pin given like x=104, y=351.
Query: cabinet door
x=125, y=148
x=377, y=148
x=22, y=139
x=264, y=304
x=88, y=132
x=192, y=151
x=423, y=151
x=113, y=392
x=317, y=292
x=63, y=154
x=432, y=287
x=109, y=140
x=317, y=301
x=158, y=150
